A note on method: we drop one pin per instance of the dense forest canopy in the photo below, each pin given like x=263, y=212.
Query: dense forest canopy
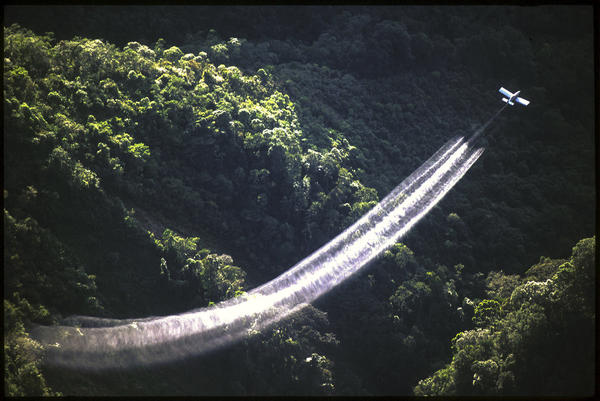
x=159, y=159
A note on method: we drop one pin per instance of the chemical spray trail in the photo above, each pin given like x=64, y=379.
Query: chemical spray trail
x=480, y=131
x=112, y=343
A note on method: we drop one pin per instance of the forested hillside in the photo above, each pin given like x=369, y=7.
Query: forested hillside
x=161, y=159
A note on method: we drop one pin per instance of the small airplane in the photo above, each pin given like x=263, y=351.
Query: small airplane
x=512, y=97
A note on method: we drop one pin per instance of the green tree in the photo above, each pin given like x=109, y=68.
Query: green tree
x=516, y=348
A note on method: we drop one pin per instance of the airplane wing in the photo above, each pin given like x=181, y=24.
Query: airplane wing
x=522, y=101
x=505, y=92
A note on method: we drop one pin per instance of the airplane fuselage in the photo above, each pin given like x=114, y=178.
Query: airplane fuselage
x=514, y=96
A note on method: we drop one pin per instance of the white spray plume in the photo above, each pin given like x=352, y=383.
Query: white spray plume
x=115, y=343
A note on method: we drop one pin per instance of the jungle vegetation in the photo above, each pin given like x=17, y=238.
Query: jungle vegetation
x=160, y=159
